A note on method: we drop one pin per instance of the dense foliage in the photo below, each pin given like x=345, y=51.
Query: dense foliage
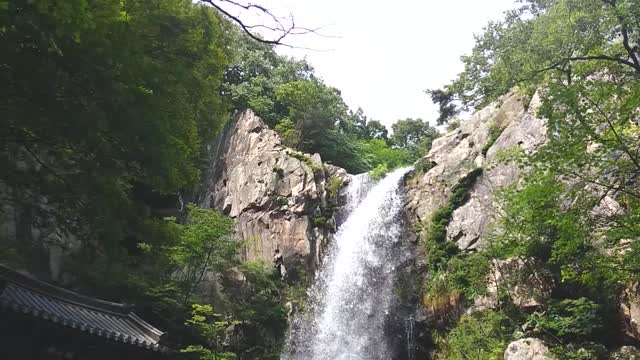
x=100, y=97
x=312, y=117
x=107, y=108
x=576, y=210
x=414, y=135
x=479, y=336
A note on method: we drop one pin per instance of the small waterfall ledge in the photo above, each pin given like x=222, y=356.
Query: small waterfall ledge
x=353, y=294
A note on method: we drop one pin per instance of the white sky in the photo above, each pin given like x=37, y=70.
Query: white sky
x=388, y=52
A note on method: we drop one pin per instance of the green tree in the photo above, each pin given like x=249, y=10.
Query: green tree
x=256, y=71
x=205, y=243
x=580, y=57
x=375, y=130
x=164, y=270
x=309, y=115
x=545, y=41
x=102, y=96
x=257, y=305
x=378, y=152
x=211, y=328
x=478, y=336
x=414, y=135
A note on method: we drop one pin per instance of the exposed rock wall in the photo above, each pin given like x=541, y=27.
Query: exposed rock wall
x=276, y=195
x=504, y=126
x=30, y=240
x=500, y=127
x=485, y=141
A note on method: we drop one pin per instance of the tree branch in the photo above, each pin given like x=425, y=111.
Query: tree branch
x=607, y=58
x=624, y=30
x=282, y=26
x=615, y=133
x=244, y=27
x=604, y=185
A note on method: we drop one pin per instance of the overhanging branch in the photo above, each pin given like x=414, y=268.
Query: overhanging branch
x=282, y=27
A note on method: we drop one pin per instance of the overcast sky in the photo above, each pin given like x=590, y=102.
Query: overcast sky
x=388, y=52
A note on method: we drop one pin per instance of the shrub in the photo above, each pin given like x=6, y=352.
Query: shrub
x=494, y=133
x=379, y=172
x=257, y=304
x=570, y=319
x=319, y=221
x=300, y=156
x=211, y=328
x=479, y=336
x=286, y=129
x=582, y=351
x=279, y=201
x=453, y=124
x=460, y=192
x=468, y=271
x=307, y=160
x=423, y=165
x=439, y=253
x=333, y=186
x=441, y=295
x=296, y=289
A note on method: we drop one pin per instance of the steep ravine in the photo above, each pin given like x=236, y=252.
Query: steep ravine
x=350, y=303
x=291, y=204
x=406, y=325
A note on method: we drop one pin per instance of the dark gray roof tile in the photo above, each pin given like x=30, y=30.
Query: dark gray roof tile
x=25, y=294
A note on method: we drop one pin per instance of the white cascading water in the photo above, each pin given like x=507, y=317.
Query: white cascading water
x=353, y=291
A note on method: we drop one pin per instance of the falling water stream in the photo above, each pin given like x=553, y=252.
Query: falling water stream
x=350, y=300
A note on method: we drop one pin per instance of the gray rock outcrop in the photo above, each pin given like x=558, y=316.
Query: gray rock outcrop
x=276, y=195
x=482, y=141
x=527, y=349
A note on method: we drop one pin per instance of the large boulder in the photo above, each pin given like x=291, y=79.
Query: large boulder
x=276, y=195
x=527, y=349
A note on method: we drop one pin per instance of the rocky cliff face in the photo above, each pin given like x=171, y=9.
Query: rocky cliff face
x=485, y=141
x=282, y=201
x=480, y=142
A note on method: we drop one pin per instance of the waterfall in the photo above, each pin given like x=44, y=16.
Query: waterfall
x=350, y=299
x=411, y=338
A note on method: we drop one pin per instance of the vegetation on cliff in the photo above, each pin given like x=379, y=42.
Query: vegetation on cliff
x=312, y=117
x=576, y=211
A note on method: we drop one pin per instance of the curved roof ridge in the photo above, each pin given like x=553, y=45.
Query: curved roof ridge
x=25, y=294
x=32, y=283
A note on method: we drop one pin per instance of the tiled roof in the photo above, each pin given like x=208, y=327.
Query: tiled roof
x=22, y=293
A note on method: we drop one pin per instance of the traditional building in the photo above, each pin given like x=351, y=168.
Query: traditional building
x=45, y=322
